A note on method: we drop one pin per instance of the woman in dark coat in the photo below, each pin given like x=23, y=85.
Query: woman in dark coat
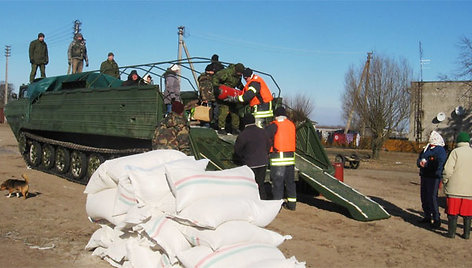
x=431, y=162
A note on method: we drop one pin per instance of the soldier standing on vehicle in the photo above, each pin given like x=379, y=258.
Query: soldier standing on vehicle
x=172, y=89
x=257, y=93
x=77, y=53
x=110, y=67
x=173, y=131
x=231, y=76
x=207, y=96
x=282, y=158
x=38, y=54
x=215, y=64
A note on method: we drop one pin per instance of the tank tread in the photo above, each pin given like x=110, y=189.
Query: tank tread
x=75, y=158
x=83, y=147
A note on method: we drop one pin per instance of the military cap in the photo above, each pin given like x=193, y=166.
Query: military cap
x=247, y=72
x=239, y=67
x=40, y=35
x=111, y=54
x=280, y=111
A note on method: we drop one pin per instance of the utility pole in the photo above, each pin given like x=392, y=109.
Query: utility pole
x=181, y=42
x=179, y=55
x=419, y=100
x=364, y=76
x=5, y=96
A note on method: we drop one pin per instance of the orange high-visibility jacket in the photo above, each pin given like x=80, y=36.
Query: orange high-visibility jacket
x=264, y=93
x=285, y=137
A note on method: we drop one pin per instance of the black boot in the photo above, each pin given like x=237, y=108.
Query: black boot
x=451, y=226
x=290, y=205
x=467, y=227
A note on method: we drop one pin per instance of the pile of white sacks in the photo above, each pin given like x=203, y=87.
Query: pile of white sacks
x=162, y=209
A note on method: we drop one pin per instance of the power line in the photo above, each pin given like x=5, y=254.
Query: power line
x=255, y=45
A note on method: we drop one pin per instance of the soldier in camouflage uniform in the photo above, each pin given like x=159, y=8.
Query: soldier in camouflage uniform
x=173, y=131
x=77, y=53
x=207, y=97
x=231, y=76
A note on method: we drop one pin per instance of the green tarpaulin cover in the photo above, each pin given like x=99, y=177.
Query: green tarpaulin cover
x=92, y=80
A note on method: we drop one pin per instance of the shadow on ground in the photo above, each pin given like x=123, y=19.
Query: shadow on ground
x=409, y=215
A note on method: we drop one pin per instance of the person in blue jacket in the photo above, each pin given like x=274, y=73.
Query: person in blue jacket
x=431, y=163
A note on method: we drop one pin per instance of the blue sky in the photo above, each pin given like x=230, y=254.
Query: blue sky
x=306, y=45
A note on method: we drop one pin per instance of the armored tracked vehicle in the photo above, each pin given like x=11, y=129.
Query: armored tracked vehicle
x=69, y=125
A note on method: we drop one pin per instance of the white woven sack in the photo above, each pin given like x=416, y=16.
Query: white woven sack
x=277, y=263
x=140, y=254
x=150, y=184
x=190, y=185
x=164, y=232
x=239, y=255
x=125, y=198
x=232, y=232
x=102, y=237
x=213, y=211
x=118, y=167
x=100, y=180
x=192, y=257
x=99, y=206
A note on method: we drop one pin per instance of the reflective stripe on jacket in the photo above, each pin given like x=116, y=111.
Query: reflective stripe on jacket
x=282, y=159
x=262, y=97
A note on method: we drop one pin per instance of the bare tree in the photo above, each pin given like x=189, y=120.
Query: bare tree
x=2, y=92
x=351, y=80
x=383, y=103
x=465, y=58
x=300, y=107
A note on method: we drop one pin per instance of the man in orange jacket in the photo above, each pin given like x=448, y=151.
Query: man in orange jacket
x=282, y=157
x=257, y=93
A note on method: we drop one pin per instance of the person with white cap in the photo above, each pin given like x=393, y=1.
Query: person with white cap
x=147, y=79
x=172, y=87
x=431, y=163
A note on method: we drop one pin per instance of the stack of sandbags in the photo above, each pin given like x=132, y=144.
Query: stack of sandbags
x=162, y=208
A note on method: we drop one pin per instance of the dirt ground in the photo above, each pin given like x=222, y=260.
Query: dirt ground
x=51, y=229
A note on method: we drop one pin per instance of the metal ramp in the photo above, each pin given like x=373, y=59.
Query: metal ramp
x=361, y=207
x=311, y=161
x=316, y=170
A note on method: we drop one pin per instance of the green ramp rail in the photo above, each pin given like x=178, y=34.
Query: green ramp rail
x=316, y=170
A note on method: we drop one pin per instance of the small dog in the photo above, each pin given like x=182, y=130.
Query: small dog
x=13, y=185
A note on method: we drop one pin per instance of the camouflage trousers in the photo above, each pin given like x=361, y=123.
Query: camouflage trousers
x=224, y=109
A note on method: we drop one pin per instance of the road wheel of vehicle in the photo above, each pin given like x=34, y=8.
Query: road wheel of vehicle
x=34, y=154
x=48, y=156
x=339, y=159
x=94, y=161
x=62, y=160
x=78, y=164
x=22, y=143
